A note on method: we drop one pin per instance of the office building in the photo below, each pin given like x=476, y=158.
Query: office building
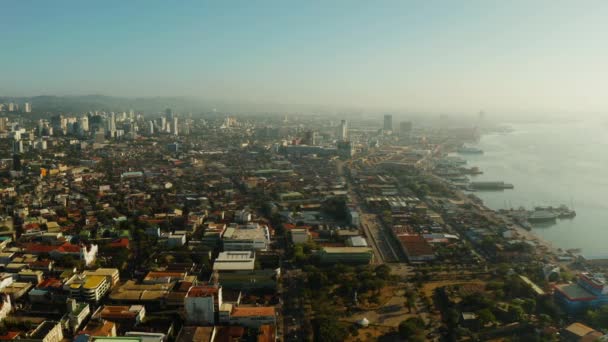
x=27, y=107
x=174, y=129
x=343, y=130
x=388, y=123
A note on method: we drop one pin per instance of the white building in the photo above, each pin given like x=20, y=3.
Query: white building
x=299, y=235
x=201, y=304
x=27, y=107
x=343, y=131
x=90, y=288
x=176, y=240
x=234, y=261
x=6, y=307
x=77, y=313
x=248, y=237
x=174, y=129
x=47, y=331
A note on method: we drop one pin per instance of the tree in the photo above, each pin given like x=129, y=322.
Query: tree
x=598, y=317
x=412, y=329
x=328, y=329
x=516, y=313
x=486, y=316
x=411, y=299
x=383, y=272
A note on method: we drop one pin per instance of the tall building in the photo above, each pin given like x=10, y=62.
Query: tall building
x=84, y=123
x=310, y=138
x=27, y=107
x=169, y=114
x=17, y=146
x=16, y=162
x=151, y=127
x=3, y=124
x=343, y=132
x=388, y=122
x=174, y=129
x=112, y=124
x=163, y=124
x=11, y=107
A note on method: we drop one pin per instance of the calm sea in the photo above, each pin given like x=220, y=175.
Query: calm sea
x=552, y=164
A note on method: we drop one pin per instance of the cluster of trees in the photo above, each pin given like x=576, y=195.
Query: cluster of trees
x=598, y=318
x=330, y=290
x=412, y=329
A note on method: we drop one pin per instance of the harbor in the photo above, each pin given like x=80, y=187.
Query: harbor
x=539, y=215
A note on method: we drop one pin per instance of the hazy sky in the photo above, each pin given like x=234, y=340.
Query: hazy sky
x=425, y=55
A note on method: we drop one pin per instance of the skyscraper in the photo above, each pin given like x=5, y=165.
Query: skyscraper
x=27, y=107
x=174, y=129
x=84, y=123
x=11, y=107
x=169, y=114
x=343, y=132
x=388, y=122
x=112, y=125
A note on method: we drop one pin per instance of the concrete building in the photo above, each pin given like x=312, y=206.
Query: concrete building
x=112, y=274
x=234, y=261
x=300, y=235
x=253, y=317
x=343, y=131
x=47, y=331
x=90, y=288
x=248, y=237
x=27, y=107
x=388, y=123
x=202, y=304
x=346, y=255
x=77, y=314
x=124, y=314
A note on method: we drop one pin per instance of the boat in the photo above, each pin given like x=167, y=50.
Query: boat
x=565, y=213
x=469, y=150
x=491, y=185
x=539, y=216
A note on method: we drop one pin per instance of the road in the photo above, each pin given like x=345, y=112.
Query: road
x=377, y=236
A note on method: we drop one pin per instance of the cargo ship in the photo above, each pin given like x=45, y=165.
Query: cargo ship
x=491, y=185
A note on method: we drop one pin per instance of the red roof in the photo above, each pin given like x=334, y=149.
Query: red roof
x=50, y=282
x=120, y=243
x=11, y=335
x=202, y=291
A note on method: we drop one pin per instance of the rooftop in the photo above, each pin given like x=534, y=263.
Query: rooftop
x=575, y=292
x=245, y=233
x=243, y=311
x=347, y=250
x=195, y=334
x=203, y=291
x=579, y=329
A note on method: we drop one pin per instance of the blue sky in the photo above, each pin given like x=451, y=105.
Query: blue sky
x=429, y=55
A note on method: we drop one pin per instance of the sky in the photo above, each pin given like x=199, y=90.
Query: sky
x=460, y=56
